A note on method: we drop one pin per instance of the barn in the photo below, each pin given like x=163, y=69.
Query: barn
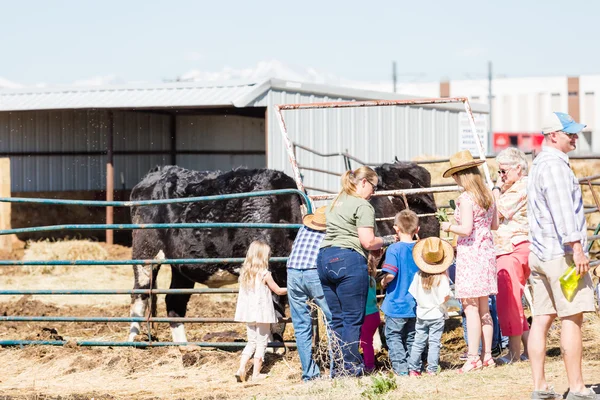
x=98, y=142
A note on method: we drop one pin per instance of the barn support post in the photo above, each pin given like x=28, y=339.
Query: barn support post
x=173, y=134
x=110, y=176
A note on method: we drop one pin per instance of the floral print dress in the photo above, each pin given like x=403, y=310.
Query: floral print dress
x=476, y=274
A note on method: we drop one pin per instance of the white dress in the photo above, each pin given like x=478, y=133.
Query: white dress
x=255, y=304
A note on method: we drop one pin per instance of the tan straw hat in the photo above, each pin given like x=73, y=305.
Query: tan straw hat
x=433, y=255
x=461, y=160
x=317, y=220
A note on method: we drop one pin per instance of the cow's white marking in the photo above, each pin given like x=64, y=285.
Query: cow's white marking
x=138, y=309
x=178, y=333
x=139, y=306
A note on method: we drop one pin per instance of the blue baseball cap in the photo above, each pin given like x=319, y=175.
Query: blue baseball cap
x=558, y=121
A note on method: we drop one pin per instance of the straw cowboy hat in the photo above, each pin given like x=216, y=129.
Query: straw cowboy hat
x=461, y=160
x=433, y=255
x=317, y=220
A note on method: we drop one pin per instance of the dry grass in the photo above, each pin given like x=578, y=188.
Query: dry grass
x=121, y=373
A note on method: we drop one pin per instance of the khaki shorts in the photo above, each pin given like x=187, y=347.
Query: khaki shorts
x=548, y=297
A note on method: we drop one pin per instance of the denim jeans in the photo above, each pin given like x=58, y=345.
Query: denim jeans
x=399, y=335
x=343, y=274
x=427, y=331
x=304, y=286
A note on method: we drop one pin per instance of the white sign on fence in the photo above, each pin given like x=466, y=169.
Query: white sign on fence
x=466, y=140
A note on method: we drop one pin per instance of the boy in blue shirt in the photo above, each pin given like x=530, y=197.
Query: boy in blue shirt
x=399, y=306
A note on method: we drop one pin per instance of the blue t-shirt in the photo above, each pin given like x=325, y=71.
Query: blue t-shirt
x=398, y=303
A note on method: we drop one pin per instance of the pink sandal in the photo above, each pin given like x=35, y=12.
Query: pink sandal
x=473, y=364
x=488, y=361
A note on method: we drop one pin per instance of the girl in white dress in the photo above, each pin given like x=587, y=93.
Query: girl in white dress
x=255, y=306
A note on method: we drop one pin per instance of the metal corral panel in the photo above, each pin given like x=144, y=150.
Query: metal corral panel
x=372, y=134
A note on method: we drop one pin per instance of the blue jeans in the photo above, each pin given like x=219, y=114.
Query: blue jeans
x=304, y=286
x=427, y=329
x=343, y=274
x=399, y=335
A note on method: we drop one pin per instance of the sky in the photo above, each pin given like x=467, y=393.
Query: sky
x=64, y=42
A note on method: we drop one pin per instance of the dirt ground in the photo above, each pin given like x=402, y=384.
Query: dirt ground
x=72, y=372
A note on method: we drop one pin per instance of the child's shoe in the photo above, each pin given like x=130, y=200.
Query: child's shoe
x=240, y=376
x=414, y=373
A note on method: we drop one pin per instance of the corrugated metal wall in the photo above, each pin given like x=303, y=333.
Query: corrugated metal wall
x=37, y=131
x=221, y=133
x=373, y=134
x=86, y=130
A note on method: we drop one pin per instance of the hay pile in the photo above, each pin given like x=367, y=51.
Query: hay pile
x=47, y=250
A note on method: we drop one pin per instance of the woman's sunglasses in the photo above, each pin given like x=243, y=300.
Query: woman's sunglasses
x=504, y=171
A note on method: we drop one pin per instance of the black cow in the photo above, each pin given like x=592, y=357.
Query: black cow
x=173, y=182
x=405, y=175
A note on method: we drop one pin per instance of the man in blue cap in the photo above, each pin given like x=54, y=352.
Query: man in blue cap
x=558, y=240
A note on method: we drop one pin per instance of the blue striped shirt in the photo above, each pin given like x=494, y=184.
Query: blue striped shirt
x=305, y=249
x=554, y=205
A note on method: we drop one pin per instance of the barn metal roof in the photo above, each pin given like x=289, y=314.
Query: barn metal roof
x=176, y=95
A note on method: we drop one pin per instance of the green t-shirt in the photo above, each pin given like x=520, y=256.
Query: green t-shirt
x=343, y=220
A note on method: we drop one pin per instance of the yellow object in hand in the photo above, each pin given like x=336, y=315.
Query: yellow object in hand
x=569, y=282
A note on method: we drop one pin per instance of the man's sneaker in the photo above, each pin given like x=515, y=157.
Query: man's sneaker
x=496, y=351
x=545, y=394
x=414, y=373
x=589, y=394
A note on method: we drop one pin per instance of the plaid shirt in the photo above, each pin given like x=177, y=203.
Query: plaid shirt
x=305, y=249
x=555, y=206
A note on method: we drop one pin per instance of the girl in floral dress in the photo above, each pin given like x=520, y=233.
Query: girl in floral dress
x=476, y=276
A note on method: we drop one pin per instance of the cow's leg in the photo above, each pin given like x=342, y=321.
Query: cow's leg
x=177, y=304
x=139, y=302
x=278, y=329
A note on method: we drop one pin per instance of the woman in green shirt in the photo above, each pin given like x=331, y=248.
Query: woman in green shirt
x=342, y=263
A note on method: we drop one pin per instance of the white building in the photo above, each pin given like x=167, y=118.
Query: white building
x=519, y=104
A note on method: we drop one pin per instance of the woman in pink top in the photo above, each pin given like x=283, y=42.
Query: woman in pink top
x=512, y=250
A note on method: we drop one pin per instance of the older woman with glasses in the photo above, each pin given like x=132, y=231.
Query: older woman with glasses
x=512, y=250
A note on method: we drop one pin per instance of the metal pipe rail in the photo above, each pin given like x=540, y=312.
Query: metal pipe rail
x=219, y=345
x=122, y=319
x=115, y=292
x=200, y=225
x=233, y=260
x=92, y=203
x=149, y=291
x=398, y=192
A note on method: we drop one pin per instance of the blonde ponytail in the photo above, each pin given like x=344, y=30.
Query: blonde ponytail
x=351, y=178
